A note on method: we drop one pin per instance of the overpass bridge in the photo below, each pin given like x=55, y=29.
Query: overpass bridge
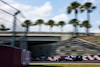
x=42, y=36
x=40, y=43
x=38, y=38
x=34, y=38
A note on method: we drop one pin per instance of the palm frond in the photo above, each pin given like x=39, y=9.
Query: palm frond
x=40, y=21
x=86, y=24
x=93, y=7
x=75, y=5
x=82, y=11
x=3, y=28
x=26, y=23
x=69, y=9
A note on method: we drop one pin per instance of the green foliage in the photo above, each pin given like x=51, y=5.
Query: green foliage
x=69, y=9
x=40, y=21
x=85, y=24
x=3, y=28
x=82, y=11
x=87, y=6
x=35, y=24
x=61, y=23
x=26, y=23
x=74, y=6
x=51, y=23
x=94, y=7
x=74, y=22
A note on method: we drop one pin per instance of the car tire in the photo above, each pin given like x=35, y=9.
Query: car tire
x=79, y=58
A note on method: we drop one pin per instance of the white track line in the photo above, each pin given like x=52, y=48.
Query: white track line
x=63, y=63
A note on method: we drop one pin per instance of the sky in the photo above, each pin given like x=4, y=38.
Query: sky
x=47, y=10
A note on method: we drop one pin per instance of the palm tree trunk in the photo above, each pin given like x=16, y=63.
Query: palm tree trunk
x=87, y=31
x=88, y=18
x=75, y=14
x=75, y=30
x=61, y=29
x=39, y=27
x=76, y=27
x=50, y=29
x=26, y=32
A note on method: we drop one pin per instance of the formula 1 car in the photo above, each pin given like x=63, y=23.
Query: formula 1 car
x=70, y=58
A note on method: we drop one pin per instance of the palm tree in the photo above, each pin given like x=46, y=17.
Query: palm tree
x=51, y=23
x=27, y=24
x=99, y=26
x=86, y=25
x=3, y=28
x=61, y=23
x=74, y=7
x=88, y=6
x=39, y=22
x=74, y=22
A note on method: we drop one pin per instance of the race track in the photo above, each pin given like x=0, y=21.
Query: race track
x=65, y=62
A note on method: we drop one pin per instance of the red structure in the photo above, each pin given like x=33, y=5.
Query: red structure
x=13, y=57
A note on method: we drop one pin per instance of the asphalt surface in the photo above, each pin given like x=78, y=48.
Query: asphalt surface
x=65, y=62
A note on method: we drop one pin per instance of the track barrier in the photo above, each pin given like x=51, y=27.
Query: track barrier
x=13, y=57
x=54, y=58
